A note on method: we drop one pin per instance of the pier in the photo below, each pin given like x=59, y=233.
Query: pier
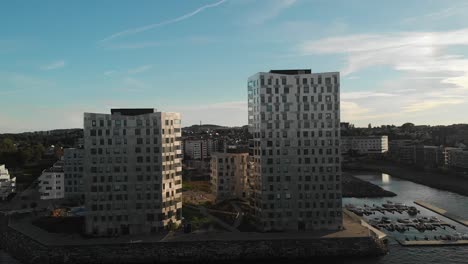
x=442, y=212
x=420, y=243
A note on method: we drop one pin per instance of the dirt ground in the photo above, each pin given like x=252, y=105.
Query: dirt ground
x=197, y=192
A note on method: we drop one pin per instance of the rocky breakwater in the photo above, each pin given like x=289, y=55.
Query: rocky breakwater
x=354, y=241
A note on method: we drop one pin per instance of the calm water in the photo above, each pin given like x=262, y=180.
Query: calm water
x=407, y=192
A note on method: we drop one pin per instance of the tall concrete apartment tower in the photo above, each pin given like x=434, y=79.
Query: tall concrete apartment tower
x=132, y=171
x=295, y=170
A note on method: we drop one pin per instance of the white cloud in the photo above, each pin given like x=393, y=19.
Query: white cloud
x=54, y=65
x=407, y=51
x=133, y=31
x=140, y=69
x=431, y=77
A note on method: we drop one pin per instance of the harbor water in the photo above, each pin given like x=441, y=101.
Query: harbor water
x=408, y=192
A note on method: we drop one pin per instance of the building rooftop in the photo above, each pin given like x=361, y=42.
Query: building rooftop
x=132, y=111
x=292, y=71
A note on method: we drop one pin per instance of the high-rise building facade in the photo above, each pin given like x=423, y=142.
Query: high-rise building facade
x=133, y=171
x=73, y=169
x=294, y=117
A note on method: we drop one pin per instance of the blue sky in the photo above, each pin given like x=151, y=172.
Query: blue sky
x=400, y=61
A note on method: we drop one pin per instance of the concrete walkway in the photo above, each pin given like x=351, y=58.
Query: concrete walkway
x=442, y=212
x=433, y=243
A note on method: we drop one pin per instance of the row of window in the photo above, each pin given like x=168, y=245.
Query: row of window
x=139, y=122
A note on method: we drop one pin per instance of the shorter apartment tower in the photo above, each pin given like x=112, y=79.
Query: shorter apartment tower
x=196, y=149
x=133, y=171
x=51, y=182
x=7, y=184
x=73, y=168
x=229, y=173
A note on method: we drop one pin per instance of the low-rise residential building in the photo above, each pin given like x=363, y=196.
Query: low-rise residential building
x=7, y=184
x=428, y=156
x=52, y=183
x=395, y=145
x=229, y=173
x=457, y=158
x=199, y=149
x=73, y=169
x=364, y=144
x=407, y=154
x=195, y=149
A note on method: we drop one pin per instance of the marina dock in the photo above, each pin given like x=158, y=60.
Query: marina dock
x=442, y=212
x=420, y=243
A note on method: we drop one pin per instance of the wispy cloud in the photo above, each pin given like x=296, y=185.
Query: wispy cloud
x=270, y=9
x=133, y=31
x=366, y=94
x=448, y=12
x=140, y=69
x=134, y=45
x=432, y=78
x=53, y=66
x=130, y=84
x=110, y=72
x=408, y=51
x=429, y=104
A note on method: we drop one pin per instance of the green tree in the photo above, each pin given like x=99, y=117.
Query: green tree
x=7, y=145
x=38, y=151
x=407, y=127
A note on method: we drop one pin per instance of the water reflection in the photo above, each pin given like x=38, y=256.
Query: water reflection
x=385, y=178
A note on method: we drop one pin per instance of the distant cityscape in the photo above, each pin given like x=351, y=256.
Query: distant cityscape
x=134, y=172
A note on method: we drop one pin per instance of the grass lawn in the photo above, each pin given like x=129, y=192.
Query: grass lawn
x=203, y=186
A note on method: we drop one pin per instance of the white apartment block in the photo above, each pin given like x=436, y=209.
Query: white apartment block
x=7, y=184
x=133, y=171
x=365, y=144
x=52, y=183
x=229, y=174
x=294, y=117
x=196, y=149
x=73, y=169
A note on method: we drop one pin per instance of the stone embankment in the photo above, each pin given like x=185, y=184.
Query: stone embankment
x=354, y=187
x=227, y=246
